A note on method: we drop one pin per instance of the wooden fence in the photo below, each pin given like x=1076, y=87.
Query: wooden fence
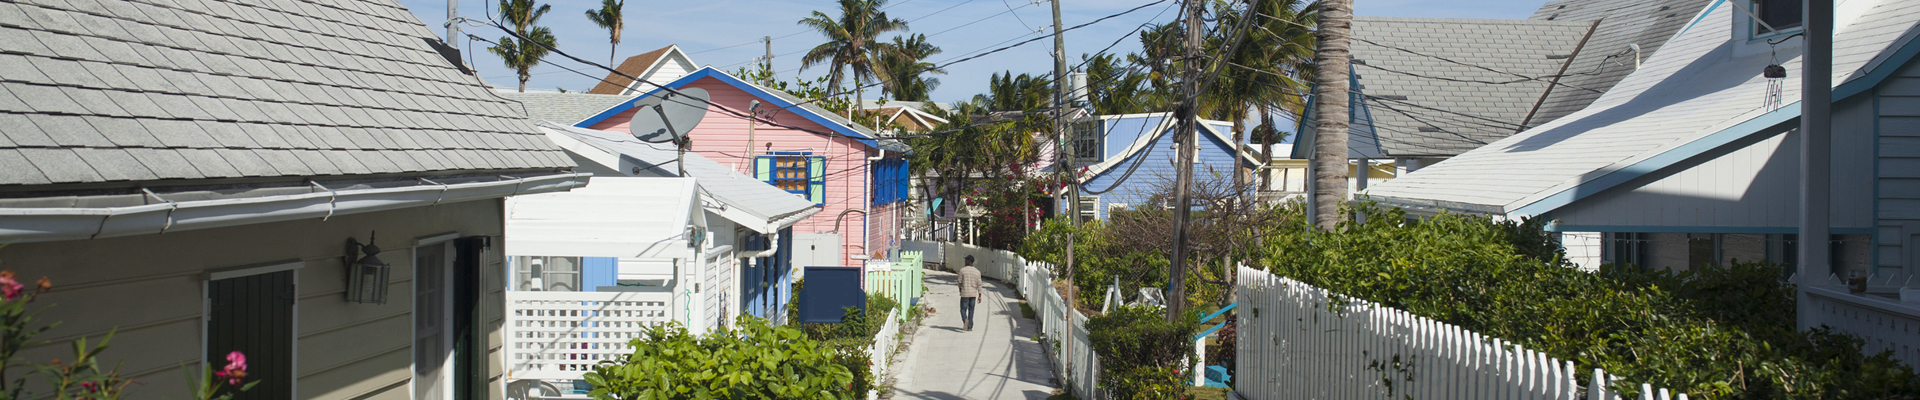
x=1299, y=341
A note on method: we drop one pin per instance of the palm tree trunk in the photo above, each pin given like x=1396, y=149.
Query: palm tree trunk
x=1330, y=145
x=1239, y=181
x=523, y=80
x=1266, y=147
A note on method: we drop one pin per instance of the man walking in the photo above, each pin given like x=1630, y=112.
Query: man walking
x=969, y=292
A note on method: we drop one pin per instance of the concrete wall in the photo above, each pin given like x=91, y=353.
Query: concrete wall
x=147, y=291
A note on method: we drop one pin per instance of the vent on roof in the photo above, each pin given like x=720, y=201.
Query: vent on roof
x=1559, y=56
x=1664, y=8
x=1553, y=17
x=1358, y=61
x=1393, y=97
x=1562, y=7
x=1430, y=129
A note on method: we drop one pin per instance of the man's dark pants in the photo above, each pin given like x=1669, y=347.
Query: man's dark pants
x=966, y=310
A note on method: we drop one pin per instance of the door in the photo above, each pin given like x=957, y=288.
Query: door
x=253, y=315
x=431, y=322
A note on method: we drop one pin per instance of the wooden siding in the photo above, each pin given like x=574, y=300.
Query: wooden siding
x=1898, y=142
x=147, y=290
x=1755, y=186
x=1215, y=164
x=722, y=137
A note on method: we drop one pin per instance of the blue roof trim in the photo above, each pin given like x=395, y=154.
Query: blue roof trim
x=1880, y=72
x=1663, y=160
x=763, y=95
x=1700, y=229
x=1697, y=19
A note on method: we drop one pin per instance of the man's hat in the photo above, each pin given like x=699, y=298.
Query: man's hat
x=969, y=259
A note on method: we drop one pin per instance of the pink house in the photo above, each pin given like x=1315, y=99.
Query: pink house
x=856, y=176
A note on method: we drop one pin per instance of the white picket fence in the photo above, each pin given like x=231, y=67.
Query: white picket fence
x=1073, y=357
x=881, y=351
x=1299, y=341
x=561, y=335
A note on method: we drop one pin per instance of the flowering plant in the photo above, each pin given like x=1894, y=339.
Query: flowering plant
x=81, y=378
x=214, y=385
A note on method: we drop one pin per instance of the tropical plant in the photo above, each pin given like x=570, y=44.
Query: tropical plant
x=81, y=378
x=1141, y=353
x=608, y=17
x=852, y=46
x=748, y=360
x=904, y=70
x=209, y=384
x=1264, y=50
x=1331, y=60
x=529, y=42
x=1114, y=88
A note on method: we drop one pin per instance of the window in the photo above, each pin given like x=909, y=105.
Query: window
x=551, y=274
x=1087, y=138
x=795, y=172
x=1627, y=249
x=889, y=181
x=1783, y=16
x=252, y=312
x=1088, y=208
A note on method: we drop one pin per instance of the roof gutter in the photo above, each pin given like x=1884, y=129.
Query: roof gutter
x=24, y=225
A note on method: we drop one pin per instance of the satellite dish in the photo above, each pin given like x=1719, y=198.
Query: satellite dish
x=667, y=118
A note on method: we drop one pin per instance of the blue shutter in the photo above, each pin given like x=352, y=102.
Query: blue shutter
x=817, y=180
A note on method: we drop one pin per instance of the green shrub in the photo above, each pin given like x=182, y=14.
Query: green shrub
x=1141, y=353
x=749, y=361
x=1713, y=332
x=1097, y=260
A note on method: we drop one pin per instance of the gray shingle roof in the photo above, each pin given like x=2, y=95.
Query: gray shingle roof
x=722, y=182
x=1690, y=89
x=1424, y=106
x=142, y=90
x=565, y=108
x=1605, y=58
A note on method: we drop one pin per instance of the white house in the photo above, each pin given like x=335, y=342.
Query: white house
x=1694, y=158
x=197, y=178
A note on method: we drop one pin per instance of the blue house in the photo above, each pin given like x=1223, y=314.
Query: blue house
x=1129, y=160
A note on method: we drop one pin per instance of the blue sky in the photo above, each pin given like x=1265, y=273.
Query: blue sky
x=708, y=29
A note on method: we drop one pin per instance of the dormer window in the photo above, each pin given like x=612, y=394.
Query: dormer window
x=1775, y=18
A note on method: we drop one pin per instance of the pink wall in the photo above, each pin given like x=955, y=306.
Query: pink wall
x=722, y=137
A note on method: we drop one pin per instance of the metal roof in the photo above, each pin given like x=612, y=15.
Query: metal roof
x=1425, y=93
x=737, y=190
x=1690, y=98
x=146, y=90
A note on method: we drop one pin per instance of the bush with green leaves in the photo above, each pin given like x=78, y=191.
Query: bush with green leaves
x=1098, y=262
x=1712, y=332
x=851, y=338
x=1141, y=354
x=751, y=360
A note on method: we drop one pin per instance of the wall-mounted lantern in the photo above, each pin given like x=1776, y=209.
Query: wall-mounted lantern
x=366, y=274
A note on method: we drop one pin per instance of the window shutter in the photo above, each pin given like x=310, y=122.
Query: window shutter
x=763, y=168
x=817, y=180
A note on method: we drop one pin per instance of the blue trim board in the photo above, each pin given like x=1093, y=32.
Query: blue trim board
x=1697, y=19
x=730, y=80
x=1787, y=113
x=1879, y=73
x=1701, y=229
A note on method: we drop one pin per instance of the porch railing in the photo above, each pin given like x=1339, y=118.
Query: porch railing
x=1885, y=324
x=561, y=335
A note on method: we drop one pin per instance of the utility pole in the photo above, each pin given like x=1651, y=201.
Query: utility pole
x=767, y=62
x=1331, y=113
x=453, y=26
x=1184, y=134
x=1070, y=184
x=1816, y=130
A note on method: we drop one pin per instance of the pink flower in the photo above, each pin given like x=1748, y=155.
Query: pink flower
x=10, y=288
x=90, y=387
x=236, y=369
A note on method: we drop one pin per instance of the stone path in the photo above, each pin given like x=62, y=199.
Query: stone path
x=997, y=360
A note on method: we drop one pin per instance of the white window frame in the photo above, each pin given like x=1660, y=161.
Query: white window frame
x=206, y=309
x=446, y=323
x=1752, y=12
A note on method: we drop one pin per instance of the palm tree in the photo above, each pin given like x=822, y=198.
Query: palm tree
x=1260, y=73
x=1331, y=57
x=851, y=47
x=608, y=17
x=1113, y=88
x=903, y=69
x=518, y=53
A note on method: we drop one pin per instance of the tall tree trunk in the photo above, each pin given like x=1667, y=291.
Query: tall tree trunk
x=523, y=80
x=1331, y=114
x=1266, y=147
x=1239, y=181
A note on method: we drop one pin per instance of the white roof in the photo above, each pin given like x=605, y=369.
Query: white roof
x=611, y=217
x=742, y=199
x=1693, y=93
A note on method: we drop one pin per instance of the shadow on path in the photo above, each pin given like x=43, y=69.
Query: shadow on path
x=997, y=360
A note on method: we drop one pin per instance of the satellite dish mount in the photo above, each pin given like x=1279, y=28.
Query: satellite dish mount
x=668, y=116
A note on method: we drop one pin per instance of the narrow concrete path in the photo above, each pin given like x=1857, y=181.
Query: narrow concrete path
x=998, y=360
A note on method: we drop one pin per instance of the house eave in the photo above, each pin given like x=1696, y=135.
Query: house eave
x=76, y=223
